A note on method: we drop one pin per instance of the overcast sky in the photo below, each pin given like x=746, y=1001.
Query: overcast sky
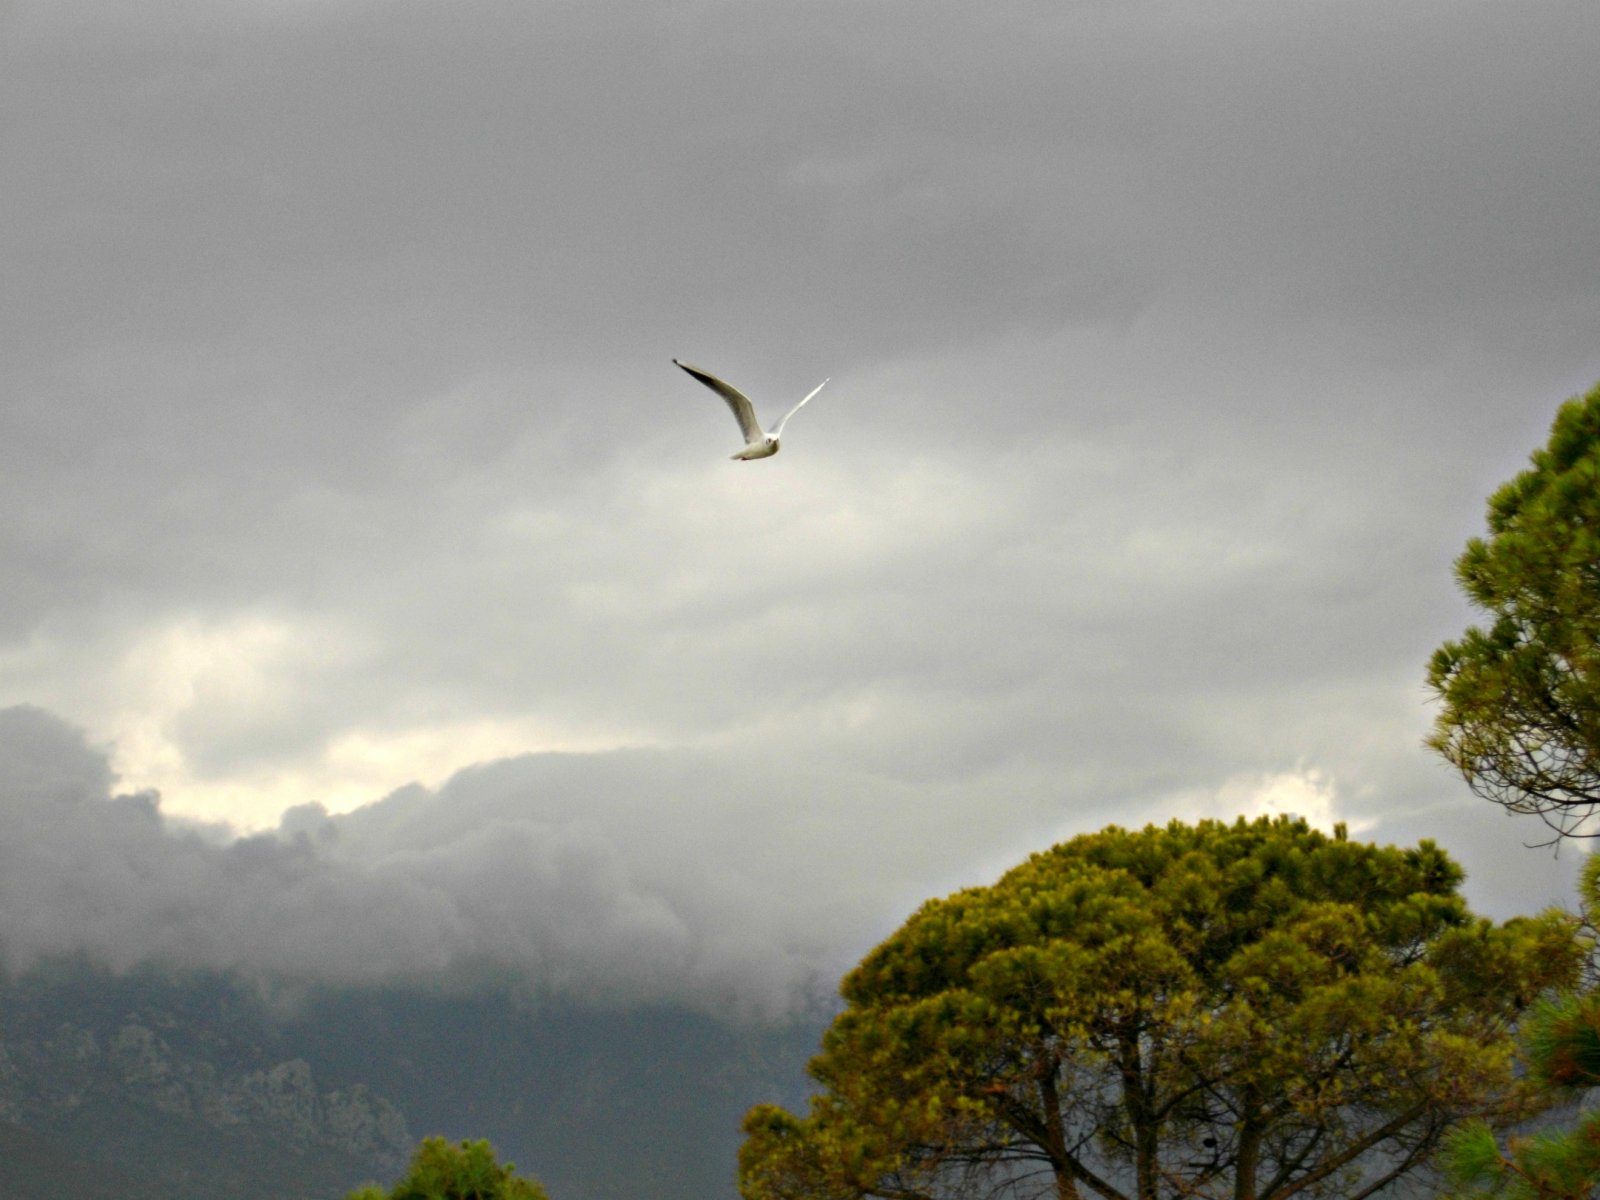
x=344, y=470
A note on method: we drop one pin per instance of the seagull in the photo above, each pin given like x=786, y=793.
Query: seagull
x=756, y=443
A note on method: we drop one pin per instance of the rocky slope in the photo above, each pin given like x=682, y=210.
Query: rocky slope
x=198, y=1086
x=139, y=1080
x=73, y=1066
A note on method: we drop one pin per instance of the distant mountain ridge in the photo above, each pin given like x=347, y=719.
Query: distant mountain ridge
x=119, y=1072
x=191, y=1086
x=39, y=1079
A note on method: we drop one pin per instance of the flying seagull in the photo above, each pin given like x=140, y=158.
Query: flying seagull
x=756, y=443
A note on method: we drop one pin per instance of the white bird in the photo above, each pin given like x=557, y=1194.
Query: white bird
x=756, y=443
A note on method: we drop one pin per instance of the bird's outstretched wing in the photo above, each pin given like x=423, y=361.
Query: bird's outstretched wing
x=743, y=411
x=777, y=429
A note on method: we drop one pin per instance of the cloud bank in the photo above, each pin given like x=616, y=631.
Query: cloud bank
x=578, y=874
x=613, y=879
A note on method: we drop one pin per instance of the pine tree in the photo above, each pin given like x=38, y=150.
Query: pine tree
x=1521, y=699
x=1562, y=1049
x=1256, y=1010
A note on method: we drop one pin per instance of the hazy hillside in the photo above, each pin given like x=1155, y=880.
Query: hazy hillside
x=597, y=1104
x=153, y=1084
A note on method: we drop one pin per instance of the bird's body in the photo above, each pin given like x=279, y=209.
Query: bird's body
x=757, y=443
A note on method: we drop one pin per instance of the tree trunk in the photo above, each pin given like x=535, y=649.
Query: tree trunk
x=1142, y=1122
x=1247, y=1162
x=1056, y=1138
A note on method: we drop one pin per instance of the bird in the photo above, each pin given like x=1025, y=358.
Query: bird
x=756, y=443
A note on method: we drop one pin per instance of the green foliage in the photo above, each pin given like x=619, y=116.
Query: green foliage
x=466, y=1171
x=1521, y=699
x=1256, y=1009
x=1561, y=1044
x=1556, y=1164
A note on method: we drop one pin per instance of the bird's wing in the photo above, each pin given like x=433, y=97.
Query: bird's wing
x=743, y=411
x=777, y=429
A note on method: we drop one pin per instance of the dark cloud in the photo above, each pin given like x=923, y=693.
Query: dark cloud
x=620, y=878
x=48, y=761
x=577, y=874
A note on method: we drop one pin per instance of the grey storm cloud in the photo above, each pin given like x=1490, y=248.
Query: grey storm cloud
x=578, y=875
x=516, y=868
x=627, y=876
x=1174, y=349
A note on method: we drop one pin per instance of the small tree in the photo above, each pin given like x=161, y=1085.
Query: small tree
x=1257, y=1011
x=1521, y=699
x=466, y=1171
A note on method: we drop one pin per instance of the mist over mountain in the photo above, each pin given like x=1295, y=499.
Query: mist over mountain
x=597, y=961
x=285, y=1010
x=649, y=876
x=578, y=875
